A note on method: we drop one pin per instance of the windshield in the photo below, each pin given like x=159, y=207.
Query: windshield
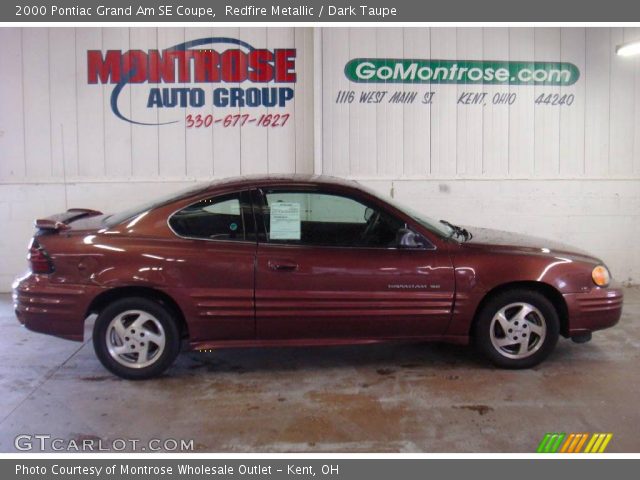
x=117, y=218
x=427, y=222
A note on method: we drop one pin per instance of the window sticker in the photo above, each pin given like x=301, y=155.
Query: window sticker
x=285, y=221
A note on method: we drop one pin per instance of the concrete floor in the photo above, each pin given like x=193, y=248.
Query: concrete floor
x=385, y=398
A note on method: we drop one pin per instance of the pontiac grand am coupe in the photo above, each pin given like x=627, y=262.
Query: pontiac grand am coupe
x=300, y=261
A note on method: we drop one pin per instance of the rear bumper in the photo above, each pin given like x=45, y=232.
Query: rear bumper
x=594, y=310
x=53, y=308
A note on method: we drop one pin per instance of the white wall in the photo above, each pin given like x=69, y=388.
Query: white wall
x=569, y=173
x=564, y=172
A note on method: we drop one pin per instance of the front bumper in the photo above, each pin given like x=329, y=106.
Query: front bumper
x=53, y=308
x=594, y=310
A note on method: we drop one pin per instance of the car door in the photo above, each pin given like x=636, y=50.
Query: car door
x=214, y=266
x=328, y=267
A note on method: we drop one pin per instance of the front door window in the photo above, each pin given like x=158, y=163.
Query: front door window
x=326, y=219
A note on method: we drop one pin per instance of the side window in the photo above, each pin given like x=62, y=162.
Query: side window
x=313, y=218
x=217, y=218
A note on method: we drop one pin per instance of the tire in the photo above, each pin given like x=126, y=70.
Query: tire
x=151, y=340
x=517, y=328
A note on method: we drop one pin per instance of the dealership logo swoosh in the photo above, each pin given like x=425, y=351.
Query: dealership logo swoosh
x=179, y=47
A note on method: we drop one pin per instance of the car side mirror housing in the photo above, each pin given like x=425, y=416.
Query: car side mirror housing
x=407, y=238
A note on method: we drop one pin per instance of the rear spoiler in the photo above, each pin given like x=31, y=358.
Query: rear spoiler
x=61, y=221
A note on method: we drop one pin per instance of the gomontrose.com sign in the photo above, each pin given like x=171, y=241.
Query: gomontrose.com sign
x=393, y=70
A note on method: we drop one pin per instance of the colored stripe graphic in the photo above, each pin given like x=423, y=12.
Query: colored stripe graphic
x=590, y=444
x=540, y=448
x=543, y=443
x=551, y=442
x=598, y=443
x=606, y=441
x=572, y=443
x=581, y=443
x=558, y=441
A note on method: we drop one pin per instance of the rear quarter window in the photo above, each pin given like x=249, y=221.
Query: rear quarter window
x=218, y=218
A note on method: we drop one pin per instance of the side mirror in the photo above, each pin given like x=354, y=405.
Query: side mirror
x=406, y=238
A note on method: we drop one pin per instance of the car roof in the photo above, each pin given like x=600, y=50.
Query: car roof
x=277, y=179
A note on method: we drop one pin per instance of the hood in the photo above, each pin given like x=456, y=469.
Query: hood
x=487, y=238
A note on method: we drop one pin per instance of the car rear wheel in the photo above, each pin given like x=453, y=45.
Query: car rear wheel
x=136, y=338
x=517, y=328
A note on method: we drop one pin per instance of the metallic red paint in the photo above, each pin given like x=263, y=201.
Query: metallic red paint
x=231, y=293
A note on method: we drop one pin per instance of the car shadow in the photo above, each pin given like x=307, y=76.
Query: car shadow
x=289, y=359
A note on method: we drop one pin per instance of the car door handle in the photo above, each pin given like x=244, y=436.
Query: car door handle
x=282, y=266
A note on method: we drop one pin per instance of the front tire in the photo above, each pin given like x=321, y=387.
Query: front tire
x=136, y=338
x=517, y=328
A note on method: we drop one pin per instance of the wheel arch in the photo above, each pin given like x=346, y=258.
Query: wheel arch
x=549, y=291
x=116, y=293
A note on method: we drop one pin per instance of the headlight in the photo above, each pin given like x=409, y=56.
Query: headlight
x=601, y=276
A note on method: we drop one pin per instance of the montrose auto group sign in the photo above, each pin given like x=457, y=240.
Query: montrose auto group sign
x=180, y=77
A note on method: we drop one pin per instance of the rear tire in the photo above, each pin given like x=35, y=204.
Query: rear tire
x=136, y=338
x=517, y=328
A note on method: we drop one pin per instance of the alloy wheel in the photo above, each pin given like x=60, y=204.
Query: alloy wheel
x=135, y=339
x=518, y=330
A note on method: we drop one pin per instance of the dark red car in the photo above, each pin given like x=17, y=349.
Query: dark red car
x=301, y=260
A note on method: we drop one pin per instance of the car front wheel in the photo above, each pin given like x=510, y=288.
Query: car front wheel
x=517, y=328
x=136, y=338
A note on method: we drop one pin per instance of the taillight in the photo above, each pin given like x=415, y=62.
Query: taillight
x=39, y=260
